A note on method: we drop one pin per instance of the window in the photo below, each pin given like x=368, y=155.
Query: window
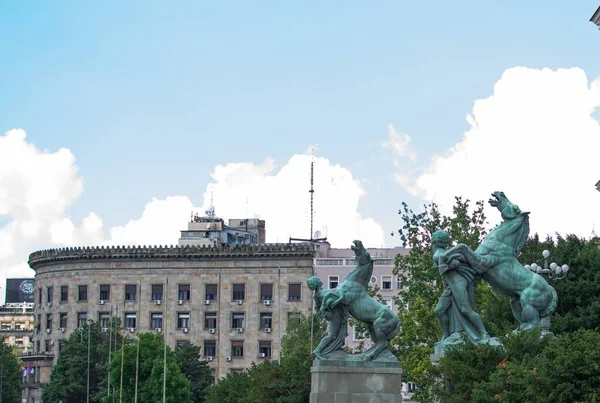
x=398, y=283
x=64, y=293
x=48, y=321
x=210, y=292
x=389, y=303
x=266, y=320
x=37, y=346
x=104, y=319
x=333, y=282
x=264, y=347
x=130, y=320
x=81, y=319
x=386, y=282
x=237, y=320
x=38, y=324
x=82, y=294
x=50, y=294
x=39, y=295
x=157, y=292
x=295, y=292
x=48, y=348
x=210, y=320
x=61, y=344
x=184, y=292
x=156, y=320
x=105, y=292
x=130, y=292
x=266, y=292
x=237, y=348
x=239, y=292
x=180, y=343
x=373, y=280
x=357, y=335
x=63, y=320
x=183, y=320
x=210, y=348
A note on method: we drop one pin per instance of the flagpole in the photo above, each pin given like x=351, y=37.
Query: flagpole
x=137, y=354
x=109, y=347
x=122, y=356
x=88, y=365
x=165, y=342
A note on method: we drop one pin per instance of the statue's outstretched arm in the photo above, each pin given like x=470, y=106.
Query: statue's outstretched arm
x=473, y=259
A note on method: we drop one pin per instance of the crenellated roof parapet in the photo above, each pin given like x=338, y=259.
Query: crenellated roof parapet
x=137, y=252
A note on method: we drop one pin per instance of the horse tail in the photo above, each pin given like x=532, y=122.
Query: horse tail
x=552, y=305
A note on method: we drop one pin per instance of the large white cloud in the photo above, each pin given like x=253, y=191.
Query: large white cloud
x=537, y=139
x=281, y=197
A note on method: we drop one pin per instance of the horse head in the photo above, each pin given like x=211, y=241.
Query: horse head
x=514, y=229
x=364, y=267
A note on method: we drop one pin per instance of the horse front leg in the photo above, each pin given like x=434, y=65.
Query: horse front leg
x=472, y=258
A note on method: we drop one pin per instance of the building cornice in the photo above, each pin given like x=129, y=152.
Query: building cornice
x=78, y=254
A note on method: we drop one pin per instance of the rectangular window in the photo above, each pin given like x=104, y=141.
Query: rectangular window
x=104, y=319
x=210, y=292
x=48, y=321
x=82, y=294
x=130, y=320
x=386, y=282
x=130, y=292
x=81, y=319
x=157, y=292
x=398, y=283
x=180, y=343
x=295, y=292
x=37, y=346
x=237, y=320
x=156, y=320
x=210, y=320
x=61, y=344
x=389, y=303
x=39, y=295
x=183, y=320
x=237, y=348
x=239, y=292
x=184, y=293
x=38, y=324
x=48, y=346
x=264, y=347
x=333, y=282
x=266, y=292
x=63, y=320
x=50, y=294
x=105, y=292
x=64, y=293
x=266, y=320
x=210, y=348
x=357, y=335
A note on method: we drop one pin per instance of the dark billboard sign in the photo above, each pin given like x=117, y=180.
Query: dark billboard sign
x=19, y=290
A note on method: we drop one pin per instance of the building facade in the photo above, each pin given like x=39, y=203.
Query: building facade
x=16, y=326
x=333, y=264
x=233, y=302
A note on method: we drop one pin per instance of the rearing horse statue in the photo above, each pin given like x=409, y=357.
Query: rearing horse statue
x=531, y=297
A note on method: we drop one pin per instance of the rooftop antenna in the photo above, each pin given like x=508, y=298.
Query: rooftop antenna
x=211, y=209
x=312, y=190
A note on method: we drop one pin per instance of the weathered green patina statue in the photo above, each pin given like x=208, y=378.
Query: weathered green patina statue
x=495, y=261
x=351, y=297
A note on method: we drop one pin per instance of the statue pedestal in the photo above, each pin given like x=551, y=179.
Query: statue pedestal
x=336, y=381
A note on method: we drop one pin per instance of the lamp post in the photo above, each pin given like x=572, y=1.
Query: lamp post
x=548, y=272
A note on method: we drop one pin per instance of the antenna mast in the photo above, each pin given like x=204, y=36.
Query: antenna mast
x=312, y=193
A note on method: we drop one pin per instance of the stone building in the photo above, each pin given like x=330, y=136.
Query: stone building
x=234, y=302
x=16, y=326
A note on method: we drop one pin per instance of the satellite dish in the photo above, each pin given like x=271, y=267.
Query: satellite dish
x=317, y=235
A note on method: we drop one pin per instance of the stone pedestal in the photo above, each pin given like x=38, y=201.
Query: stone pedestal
x=355, y=383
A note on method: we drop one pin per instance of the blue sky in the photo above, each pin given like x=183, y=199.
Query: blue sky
x=149, y=97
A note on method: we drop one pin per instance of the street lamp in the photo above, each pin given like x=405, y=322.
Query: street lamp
x=548, y=272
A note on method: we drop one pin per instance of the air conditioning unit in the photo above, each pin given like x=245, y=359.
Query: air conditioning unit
x=184, y=330
x=48, y=330
x=51, y=342
x=240, y=329
x=268, y=329
x=158, y=302
x=209, y=358
x=105, y=329
x=240, y=301
x=101, y=302
x=228, y=358
x=267, y=302
x=179, y=302
x=261, y=355
x=62, y=329
x=158, y=330
x=49, y=304
x=212, y=331
x=207, y=302
x=131, y=329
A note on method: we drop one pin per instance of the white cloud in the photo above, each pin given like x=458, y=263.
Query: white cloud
x=399, y=143
x=536, y=139
x=281, y=198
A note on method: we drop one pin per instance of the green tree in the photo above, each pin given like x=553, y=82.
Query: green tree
x=234, y=388
x=195, y=369
x=68, y=381
x=422, y=286
x=150, y=372
x=10, y=374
